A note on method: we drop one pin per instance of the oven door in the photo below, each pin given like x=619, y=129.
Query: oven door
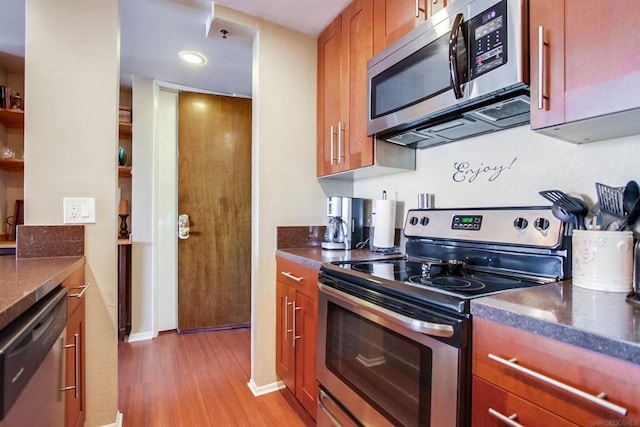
x=387, y=369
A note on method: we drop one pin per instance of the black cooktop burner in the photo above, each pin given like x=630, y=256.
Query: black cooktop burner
x=448, y=282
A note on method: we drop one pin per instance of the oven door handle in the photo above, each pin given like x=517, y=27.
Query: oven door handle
x=427, y=328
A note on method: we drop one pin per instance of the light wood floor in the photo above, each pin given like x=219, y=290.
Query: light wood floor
x=197, y=379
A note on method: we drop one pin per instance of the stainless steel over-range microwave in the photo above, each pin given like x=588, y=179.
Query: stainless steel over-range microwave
x=463, y=72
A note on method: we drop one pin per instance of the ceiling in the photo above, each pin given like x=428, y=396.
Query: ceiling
x=154, y=31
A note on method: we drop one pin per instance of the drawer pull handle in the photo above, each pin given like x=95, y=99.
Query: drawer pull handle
x=598, y=399
x=291, y=276
x=79, y=295
x=510, y=420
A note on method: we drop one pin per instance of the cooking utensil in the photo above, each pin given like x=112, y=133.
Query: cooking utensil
x=630, y=195
x=571, y=205
x=630, y=219
x=610, y=199
x=563, y=215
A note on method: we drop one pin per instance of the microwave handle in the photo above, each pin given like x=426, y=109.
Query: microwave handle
x=453, y=55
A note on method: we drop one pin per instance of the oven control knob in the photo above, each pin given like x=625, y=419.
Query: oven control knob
x=424, y=221
x=413, y=220
x=520, y=223
x=542, y=224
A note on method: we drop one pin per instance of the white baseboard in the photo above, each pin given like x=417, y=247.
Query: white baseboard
x=265, y=389
x=118, y=422
x=140, y=336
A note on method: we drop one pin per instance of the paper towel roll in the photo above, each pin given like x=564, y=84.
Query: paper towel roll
x=384, y=222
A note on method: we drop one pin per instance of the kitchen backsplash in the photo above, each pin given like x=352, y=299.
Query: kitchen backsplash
x=507, y=168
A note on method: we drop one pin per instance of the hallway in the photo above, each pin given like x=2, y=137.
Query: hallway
x=197, y=379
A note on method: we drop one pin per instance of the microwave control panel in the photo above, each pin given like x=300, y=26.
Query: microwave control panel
x=488, y=39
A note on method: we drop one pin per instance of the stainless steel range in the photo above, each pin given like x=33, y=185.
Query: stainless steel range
x=394, y=335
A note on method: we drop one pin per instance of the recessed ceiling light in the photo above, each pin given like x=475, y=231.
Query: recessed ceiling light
x=192, y=57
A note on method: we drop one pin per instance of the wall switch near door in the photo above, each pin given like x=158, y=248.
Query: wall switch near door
x=79, y=210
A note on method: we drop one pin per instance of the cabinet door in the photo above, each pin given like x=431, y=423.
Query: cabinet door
x=305, y=349
x=74, y=367
x=395, y=18
x=547, y=76
x=602, y=54
x=285, y=364
x=329, y=97
x=357, y=48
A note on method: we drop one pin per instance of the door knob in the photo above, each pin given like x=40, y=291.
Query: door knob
x=183, y=226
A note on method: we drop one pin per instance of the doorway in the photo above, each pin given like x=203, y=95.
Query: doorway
x=214, y=190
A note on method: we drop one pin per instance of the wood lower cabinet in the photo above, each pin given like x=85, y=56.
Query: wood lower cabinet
x=344, y=48
x=75, y=409
x=296, y=330
x=394, y=18
x=535, y=380
x=585, y=62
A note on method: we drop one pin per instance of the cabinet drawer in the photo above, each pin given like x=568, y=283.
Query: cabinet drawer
x=301, y=277
x=74, y=285
x=557, y=377
x=491, y=402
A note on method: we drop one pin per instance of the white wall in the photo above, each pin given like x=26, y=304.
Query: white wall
x=541, y=163
x=71, y=75
x=166, y=208
x=142, y=208
x=285, y=190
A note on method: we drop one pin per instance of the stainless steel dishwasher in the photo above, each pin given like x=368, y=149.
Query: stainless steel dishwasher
x=32, y=364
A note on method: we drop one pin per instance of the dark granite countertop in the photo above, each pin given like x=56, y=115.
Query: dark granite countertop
x=24, y=281
x=599, y=321
x=316, y=256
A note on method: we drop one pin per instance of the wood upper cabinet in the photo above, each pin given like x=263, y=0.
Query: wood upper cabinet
x=590, y=62
x=357, y=48
x=395, y=18
x=296, y=330
x=75, y=401
x=329, y=98
x=343, y=51
x=544, y=382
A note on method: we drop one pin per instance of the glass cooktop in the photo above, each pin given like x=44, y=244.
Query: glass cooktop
x=448, y=278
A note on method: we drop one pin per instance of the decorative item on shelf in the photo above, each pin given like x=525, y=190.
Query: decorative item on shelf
x=16, y=102
x=122, y=156
x=123, y=213
x=124, y=115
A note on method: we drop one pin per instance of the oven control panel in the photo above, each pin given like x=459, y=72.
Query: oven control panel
x=527, y=226
x=466, y=222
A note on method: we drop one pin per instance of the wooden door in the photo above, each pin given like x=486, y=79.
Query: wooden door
x=329, y=96
x=357, y=48
x=214, y=189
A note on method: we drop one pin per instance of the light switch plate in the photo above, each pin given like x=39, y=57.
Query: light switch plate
x=79, y=210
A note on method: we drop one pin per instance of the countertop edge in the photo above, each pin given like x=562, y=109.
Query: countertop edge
x=13, y=311
x=618, y=349
x=298, y=258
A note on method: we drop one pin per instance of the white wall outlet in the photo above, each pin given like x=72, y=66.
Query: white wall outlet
x=79, y=210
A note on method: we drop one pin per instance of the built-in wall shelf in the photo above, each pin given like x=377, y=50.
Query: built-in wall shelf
x=13, y=165
x=124, y=171
x=12, y=118
x=124, y=130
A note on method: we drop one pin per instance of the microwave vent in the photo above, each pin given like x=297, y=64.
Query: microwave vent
x=407, y=138
x=504, y=110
